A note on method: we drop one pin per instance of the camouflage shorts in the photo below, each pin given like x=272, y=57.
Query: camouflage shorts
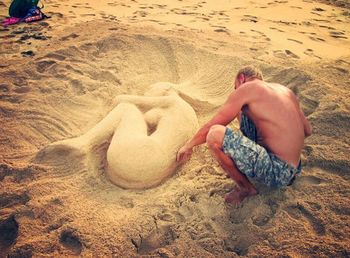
x=255, y=161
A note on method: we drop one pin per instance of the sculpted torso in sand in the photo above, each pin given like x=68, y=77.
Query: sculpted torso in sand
x=146, y=132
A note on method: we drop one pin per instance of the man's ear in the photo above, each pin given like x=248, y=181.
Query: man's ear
x=241, y=78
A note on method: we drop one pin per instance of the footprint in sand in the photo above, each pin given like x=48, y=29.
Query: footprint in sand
x=310, y=180
x=299, y=211
x=321, y=20
x=70, y=36
x=22, y=90
x=291, y=54
x=285, y=22
x=42, y=66
x=4, y=88
x=310, y=104
x=55, y=14
x=316, y=39
x=110, y=17
x=265, y=213
x=28, y=53
x=310, y=52
x=70, y=240
x=316, y=13
x=284, y=54
x=55, y=56
x=220, y=29
x=160, y=6
x=338, y=34
x=17, y=174
x=12, y=199
x=339, y=70
x=326, y=27
x=87, y=14
x=159, y=237
x=279, y=30
x=140, y=13
x=294, y=40
x=258, y=32
x=9, y=229
x=239, y=246
x=250, y=18
x=113, y=4
x=318, y=9
x=203, y=18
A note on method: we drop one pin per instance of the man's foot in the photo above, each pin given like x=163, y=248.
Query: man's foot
x=237, y=195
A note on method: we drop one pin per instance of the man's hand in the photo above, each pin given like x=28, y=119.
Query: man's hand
x=184, y=154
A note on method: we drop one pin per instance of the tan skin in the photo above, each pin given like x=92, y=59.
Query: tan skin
x=280, y=123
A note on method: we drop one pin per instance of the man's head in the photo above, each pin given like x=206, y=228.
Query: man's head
x=247, y=73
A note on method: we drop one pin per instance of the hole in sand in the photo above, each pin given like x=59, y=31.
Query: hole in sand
x=8, y=232
x=72, y=242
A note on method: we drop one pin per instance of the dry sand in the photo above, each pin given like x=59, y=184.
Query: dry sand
x=59, y=77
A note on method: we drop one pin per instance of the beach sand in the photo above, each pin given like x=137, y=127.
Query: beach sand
x=59, y=76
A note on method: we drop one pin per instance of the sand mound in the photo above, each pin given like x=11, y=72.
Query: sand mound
x=65, y=205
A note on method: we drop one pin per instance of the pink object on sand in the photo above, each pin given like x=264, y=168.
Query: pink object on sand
x=11, y=20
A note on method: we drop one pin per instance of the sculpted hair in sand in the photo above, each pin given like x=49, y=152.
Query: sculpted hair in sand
x=250, y=72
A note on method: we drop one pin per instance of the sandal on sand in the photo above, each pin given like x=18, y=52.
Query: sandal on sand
x=11, y=20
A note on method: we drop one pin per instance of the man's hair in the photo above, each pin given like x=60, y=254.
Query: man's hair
x=250, y=72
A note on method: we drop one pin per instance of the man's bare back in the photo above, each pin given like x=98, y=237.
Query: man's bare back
x=276, y=114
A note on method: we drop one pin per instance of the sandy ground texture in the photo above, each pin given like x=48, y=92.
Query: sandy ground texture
x=59, y=76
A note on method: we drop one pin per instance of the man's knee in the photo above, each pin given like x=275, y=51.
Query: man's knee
x=215, y=136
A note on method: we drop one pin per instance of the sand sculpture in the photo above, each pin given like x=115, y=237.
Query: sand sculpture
x=145, y=133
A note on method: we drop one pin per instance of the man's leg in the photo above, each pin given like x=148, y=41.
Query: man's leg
x=215, y=139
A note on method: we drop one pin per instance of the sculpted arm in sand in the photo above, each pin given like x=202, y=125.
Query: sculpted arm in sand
x=143, y=134
x=273, y=130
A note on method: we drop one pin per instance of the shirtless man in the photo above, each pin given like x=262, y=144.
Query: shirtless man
x=273, y=127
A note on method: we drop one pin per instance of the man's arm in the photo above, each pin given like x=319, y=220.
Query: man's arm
x=224, y=116
x=306, y=123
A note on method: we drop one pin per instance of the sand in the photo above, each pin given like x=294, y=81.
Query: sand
x=59, y=78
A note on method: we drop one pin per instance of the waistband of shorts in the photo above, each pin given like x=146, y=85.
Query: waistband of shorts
x=291, y=168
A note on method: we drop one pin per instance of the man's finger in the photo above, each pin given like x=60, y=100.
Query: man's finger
x=179, y=156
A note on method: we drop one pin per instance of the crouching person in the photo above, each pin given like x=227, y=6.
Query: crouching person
x=268, y=148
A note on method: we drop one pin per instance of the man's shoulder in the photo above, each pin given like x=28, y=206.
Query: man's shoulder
x=250, y=91
x=267, y=87
x=254, y=87
x=262, y=90
x=255, y=84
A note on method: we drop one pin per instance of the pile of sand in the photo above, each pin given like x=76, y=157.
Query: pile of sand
x=58, y=82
